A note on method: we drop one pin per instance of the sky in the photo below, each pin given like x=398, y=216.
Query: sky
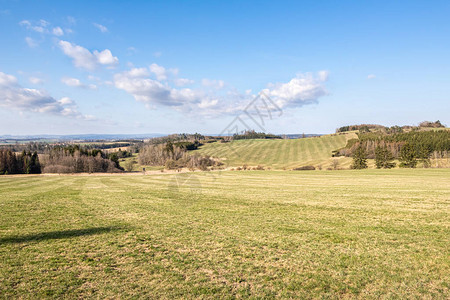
x=134, y=67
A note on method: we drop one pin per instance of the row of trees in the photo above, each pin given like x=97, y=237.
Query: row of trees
x=78, y=159
x=173, y=157
x=172, y=138
x=384, y=159
x=433, y=140
x=24, y=163
x=393, y=129
x=251, y=134
x=362, y=127
x=421, y=144
x=32, y=147
x=60, y=161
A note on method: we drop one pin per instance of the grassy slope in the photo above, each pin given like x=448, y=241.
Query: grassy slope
x=368, y=234
x=280, y=153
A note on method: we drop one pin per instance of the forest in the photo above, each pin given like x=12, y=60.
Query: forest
x=24, y=163
x=408, y=147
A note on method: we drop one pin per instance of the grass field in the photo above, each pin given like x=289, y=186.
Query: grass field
x=280, y=154
x=261, y=234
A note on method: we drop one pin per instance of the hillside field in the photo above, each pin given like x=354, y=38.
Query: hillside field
x=263, y=234
x=279, y=154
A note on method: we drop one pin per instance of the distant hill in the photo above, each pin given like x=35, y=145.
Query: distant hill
x=9, y=139
x=280, y=153
x=393, y=129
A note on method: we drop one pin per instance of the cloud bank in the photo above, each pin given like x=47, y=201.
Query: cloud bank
x=14, y=96
x=153, y=87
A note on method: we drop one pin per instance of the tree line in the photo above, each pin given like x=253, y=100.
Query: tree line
x=394, y=129
x=251, y=134
x=23, y=163
x=174, y=156
x=78, y=159
x=409, y=148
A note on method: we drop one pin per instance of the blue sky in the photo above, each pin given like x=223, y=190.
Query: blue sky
x=193, y=66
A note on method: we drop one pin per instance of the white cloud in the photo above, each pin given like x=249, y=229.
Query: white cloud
x=371, y=76
x=301, y=90
x=31, y=42
x=183, y=81
x=138, y=72
x=83, y=58
x=25, y=23
x=40, y=26
x=65, y=101
x=74, y=82
x=155, y=93
x=148, y=90
x=216, y=84
x=159, y=71
x=205, y=103
x=100, y=27
x=36, y=80
x=58, y=31
x=105, y=57
x=14, y=96
x=215, y=98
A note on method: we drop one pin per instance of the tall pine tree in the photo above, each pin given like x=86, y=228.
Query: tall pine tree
x=360, y=158
x=383, y=158
x=408, y=156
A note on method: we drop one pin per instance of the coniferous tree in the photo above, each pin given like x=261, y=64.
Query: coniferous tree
x=35, y=166
x=2, y=162
x=11, y=163
x=360, y=158
x=408, y=156
x=424, y=155
x=384, y=158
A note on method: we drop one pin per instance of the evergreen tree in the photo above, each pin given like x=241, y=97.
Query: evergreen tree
x=11, y=162
x=35, y=166
x=424, y=155
x=383, y=158
x=2, y=162
x=360, y=158
x=408, y=156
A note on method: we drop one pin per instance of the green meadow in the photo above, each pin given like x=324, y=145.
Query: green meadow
x=279, y=154
x=245, y=234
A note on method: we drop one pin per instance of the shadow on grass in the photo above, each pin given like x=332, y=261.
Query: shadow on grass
x=61, y=234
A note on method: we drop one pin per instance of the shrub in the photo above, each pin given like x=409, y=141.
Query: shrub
x=305, y=168
x=171, y=164
x=335, y=164
x=129, y=165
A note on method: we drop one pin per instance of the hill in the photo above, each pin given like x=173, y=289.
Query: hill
x=280, y=153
